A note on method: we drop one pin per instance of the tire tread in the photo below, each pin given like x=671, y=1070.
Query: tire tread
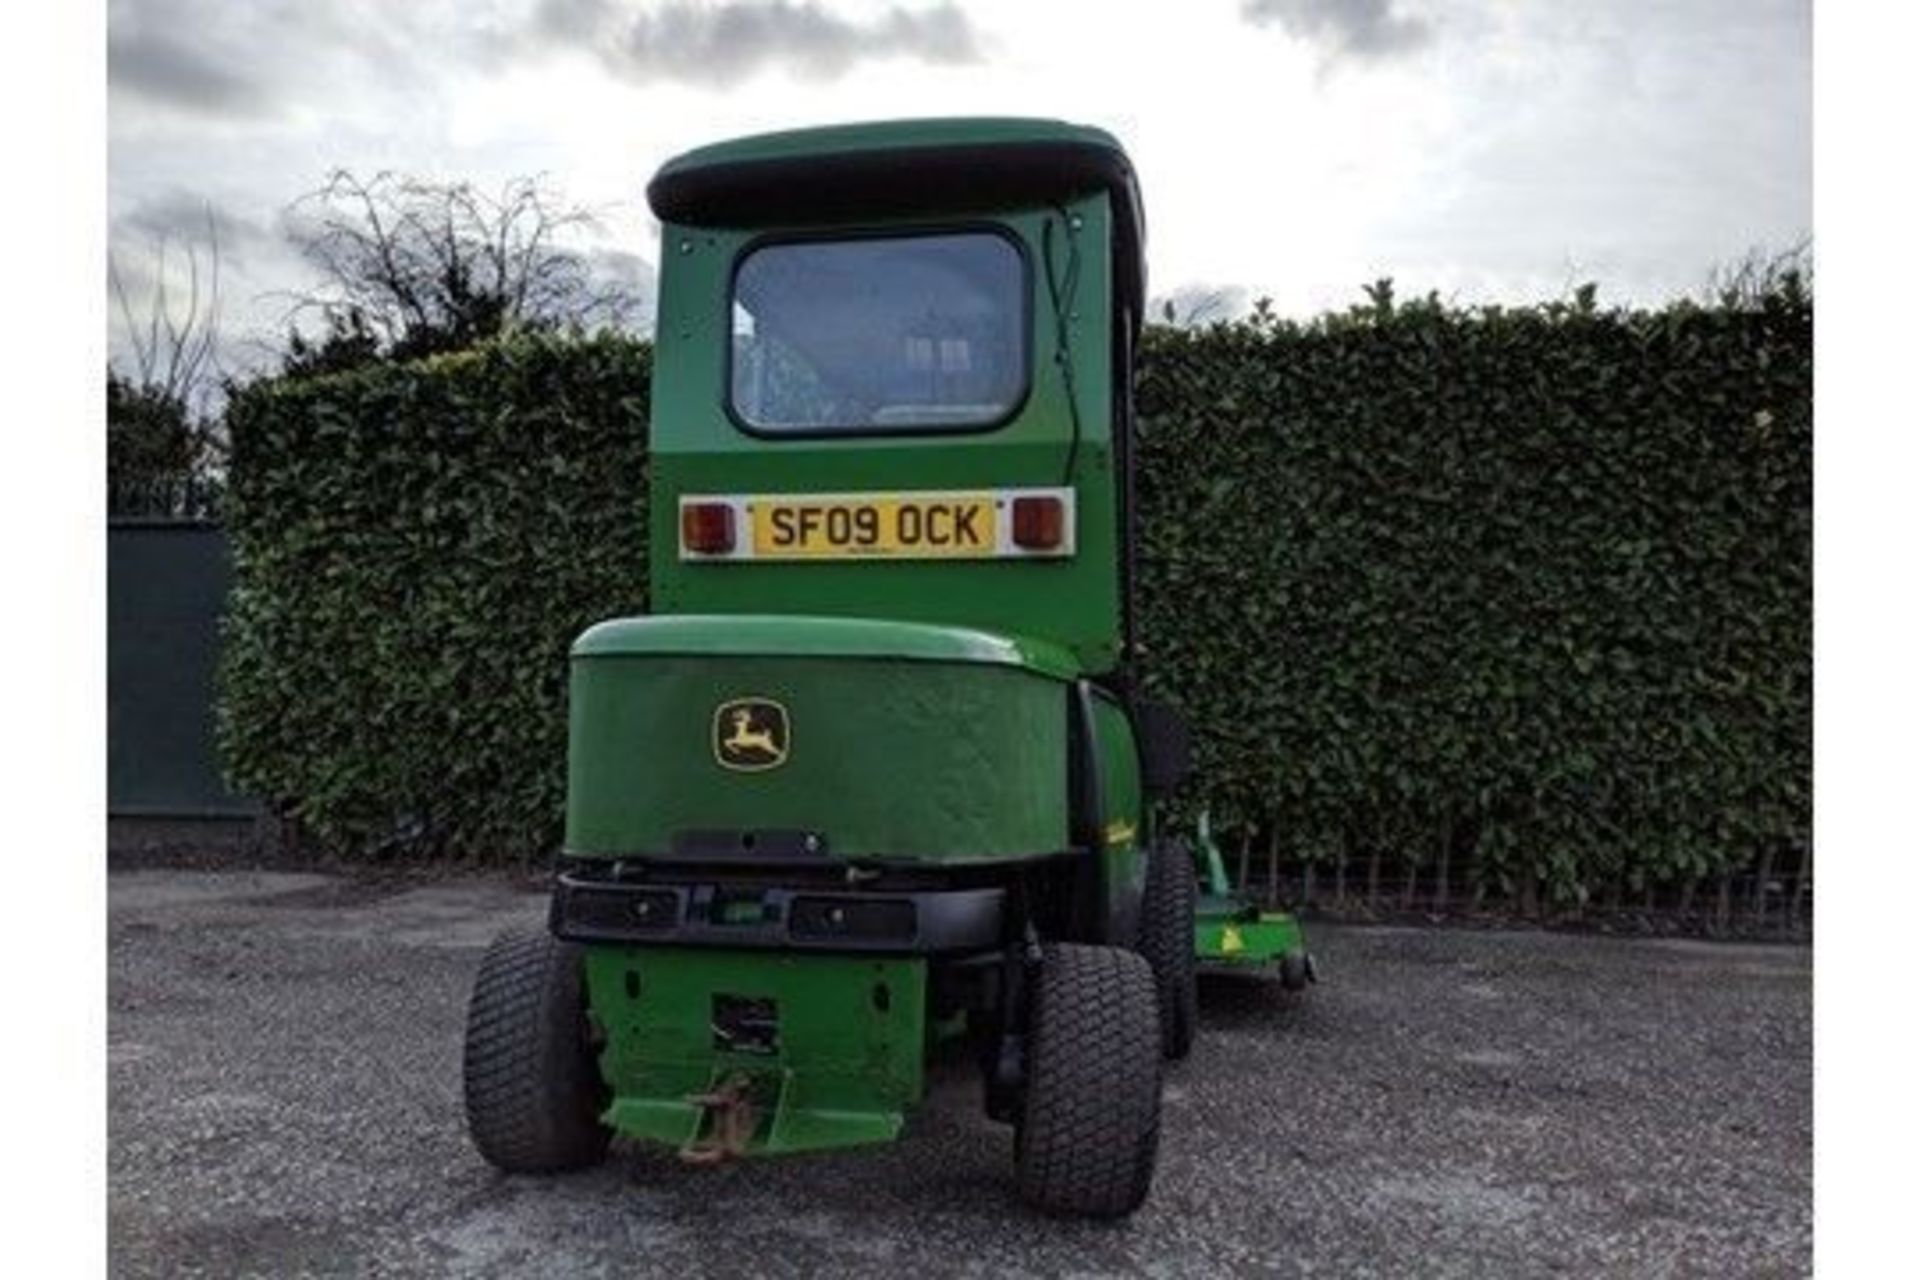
x=1166, y=940
x=532, y=1089
x=1089, y=1133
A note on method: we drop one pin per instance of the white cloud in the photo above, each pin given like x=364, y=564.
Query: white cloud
x=1362, y=30
x=1502, y=153
x=719, y=45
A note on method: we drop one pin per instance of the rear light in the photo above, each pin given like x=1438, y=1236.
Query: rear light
x=706, y=528
x=1039, y=522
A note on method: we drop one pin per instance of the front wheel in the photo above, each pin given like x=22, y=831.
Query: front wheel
x=533, y=1089
x=1090, y=1126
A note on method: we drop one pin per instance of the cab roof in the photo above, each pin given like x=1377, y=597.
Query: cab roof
x=907, y=168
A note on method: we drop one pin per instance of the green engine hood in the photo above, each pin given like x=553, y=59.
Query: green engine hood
x=791, y=636
x=895, y=740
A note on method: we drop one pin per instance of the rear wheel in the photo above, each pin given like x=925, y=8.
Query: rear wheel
x=1090, y=1126
x=1166, y=940
x=533, y=1089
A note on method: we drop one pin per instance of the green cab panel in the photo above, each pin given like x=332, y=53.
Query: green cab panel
x=886, y=740
x=1061, y=435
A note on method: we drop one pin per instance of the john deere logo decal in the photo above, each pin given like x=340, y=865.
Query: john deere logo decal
x=750, y=734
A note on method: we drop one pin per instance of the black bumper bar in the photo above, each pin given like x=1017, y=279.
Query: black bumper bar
x=723, y=915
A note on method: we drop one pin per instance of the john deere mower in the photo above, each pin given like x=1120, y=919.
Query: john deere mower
x=876, y=770
x=1235, y=936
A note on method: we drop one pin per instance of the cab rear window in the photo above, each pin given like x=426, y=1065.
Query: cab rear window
x=881, y=334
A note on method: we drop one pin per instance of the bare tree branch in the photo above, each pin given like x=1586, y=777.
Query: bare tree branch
x=174, y=352
x=164, y=446
x=1760, y=274
x=428, y=266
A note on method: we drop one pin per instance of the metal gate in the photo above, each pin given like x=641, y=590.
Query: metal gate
x=166, y=591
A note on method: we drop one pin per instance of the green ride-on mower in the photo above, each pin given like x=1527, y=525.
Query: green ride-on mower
x=875, y=772
x=1236, y=937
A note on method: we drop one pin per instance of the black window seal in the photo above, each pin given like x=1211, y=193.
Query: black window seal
x=918, y=231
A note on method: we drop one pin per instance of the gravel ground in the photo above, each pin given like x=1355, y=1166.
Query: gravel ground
x=284, y=1055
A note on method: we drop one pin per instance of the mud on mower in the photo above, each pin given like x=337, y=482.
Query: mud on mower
x=876, y=771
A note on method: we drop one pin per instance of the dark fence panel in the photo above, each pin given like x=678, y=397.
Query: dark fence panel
x=166, y=590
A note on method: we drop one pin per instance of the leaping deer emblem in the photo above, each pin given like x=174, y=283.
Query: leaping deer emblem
x=749, y=743
x=747, y=738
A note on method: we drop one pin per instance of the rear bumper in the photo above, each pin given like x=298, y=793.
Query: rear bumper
x=918, y=922
x=734, y=1052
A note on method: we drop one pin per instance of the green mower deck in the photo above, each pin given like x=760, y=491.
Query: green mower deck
x=1232, y=935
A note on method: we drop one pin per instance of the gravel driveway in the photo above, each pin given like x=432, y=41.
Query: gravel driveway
x=284, y=1056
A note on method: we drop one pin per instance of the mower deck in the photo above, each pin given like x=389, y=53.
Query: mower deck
x=1232, y=936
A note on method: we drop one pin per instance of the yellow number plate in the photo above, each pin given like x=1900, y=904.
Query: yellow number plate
x=881, y=526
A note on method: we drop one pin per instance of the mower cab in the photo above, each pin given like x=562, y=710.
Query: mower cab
x=874, y=771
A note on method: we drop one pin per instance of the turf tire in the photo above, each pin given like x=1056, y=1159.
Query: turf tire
x=533, y=1088
x=1166, y=940
x=1089, y=1130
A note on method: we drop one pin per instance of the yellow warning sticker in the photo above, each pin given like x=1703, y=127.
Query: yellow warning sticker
x=1230, y=940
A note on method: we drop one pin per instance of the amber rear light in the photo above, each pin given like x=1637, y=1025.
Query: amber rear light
x=706, y=528
x=1039, y=523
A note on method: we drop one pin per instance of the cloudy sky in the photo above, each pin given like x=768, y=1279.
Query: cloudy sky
x=1494, y=150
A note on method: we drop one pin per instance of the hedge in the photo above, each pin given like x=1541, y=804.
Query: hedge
x=1520, y=597
x=415, y=546
x=1527, y=591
